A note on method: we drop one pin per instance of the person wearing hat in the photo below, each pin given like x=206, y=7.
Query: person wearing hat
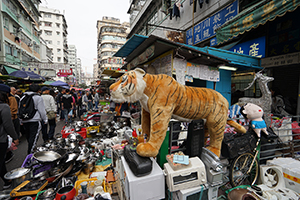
x=50, y=108
x=6, y=128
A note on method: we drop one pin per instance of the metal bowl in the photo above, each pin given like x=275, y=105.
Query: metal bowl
x=91, y=122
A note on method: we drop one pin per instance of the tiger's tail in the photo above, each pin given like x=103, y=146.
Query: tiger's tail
x=237, y=127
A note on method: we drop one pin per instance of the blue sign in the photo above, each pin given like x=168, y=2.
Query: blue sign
x=206, y=28
x=256, y=47
x=213, y=42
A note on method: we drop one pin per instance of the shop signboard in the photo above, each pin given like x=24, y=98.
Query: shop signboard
x=47, y=73
x=206, y=28
x=255, y=47
x=282, y=60
x=65, y=72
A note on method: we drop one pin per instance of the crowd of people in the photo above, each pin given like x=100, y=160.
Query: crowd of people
x=34, y=111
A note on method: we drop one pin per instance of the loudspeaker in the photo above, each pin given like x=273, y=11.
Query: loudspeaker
x=195, y=138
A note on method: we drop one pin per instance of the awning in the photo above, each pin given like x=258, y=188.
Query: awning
x=207, y=56
x=10, y=69
x=113, y=73
x=130, y=45
x=256, y=15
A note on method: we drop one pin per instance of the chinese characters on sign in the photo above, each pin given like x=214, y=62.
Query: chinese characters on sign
x=206, y=28
x=256, y=47
x=65, y=72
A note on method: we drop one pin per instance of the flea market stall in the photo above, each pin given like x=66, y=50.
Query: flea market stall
x=179, y=146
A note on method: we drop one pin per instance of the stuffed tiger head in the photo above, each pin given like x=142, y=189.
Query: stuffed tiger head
x=129, y=88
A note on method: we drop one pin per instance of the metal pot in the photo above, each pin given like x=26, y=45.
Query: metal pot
x=18, y=176
x=89, y=166
x=68, y=191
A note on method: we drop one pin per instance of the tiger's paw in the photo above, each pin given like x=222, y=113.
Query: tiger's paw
x=146, y=150
x=214, y=150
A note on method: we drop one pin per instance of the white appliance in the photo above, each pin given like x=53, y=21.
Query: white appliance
x=188, y=176
x=150, y=187
x=272, y=176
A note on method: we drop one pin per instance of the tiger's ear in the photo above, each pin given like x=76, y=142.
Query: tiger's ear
x=140, y=71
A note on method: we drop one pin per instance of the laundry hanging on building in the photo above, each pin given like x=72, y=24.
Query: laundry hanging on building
x=176, y=9
x=200, y=4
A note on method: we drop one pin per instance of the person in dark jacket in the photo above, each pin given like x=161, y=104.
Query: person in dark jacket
x=67, y=105
x=6, y=128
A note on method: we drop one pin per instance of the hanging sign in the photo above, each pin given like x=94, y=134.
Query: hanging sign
x=206, y=28
x=65, y=72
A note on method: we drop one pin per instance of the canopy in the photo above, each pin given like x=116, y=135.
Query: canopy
x=252, y=17
x=203, y=55
x=10, y=69
x=27, y=75
x=59, y=83
x=48, y=82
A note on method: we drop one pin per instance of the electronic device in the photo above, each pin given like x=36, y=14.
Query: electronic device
x=151, y=186
x=188, y=176
x=195, y=138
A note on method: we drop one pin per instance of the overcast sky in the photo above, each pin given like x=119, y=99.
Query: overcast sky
x=81, y=17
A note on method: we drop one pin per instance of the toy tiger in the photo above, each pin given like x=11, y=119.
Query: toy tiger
x=162, y=98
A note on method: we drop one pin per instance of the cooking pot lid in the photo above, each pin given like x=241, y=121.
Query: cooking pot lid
x=16, y=173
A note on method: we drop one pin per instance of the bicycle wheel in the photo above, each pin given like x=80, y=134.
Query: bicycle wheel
x=238, y=170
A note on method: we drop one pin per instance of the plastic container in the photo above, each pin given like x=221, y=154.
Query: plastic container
x=90, y=183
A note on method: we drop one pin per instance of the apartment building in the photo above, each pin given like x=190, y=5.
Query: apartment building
x=20, y=37
x=53, y=28
x=111, y=35
x=79, y=70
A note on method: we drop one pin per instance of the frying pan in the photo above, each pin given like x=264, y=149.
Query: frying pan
x=46, y=156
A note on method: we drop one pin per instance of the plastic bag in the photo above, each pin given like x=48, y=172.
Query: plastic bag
x=70, y=113
x=283, y=128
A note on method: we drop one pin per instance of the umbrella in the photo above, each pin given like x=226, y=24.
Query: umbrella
x=27, y=75
x=59, y=83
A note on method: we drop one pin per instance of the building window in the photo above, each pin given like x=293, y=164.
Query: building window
x=58, y=42
x=57, y=33
x=58, y=59
x=48, y=24
x=57, y=25
x=6, y=23
x=48, y=32
x=49, y=41
x=8, y=49
x=15, y=53
x=57, y=17
x=58, y=51
x=47, y=15
x=15, y=29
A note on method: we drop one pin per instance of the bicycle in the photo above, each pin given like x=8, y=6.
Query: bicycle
x=244, y=169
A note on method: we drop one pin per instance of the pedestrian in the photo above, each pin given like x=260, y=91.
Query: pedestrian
x=96, y=100
x=58, y=101
x=32, y=126
x=67, y=105
x=90, y=100
x=6, y=128
x=13, y=105
x=50, y=108
x=84, y=103
x=73, y=92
